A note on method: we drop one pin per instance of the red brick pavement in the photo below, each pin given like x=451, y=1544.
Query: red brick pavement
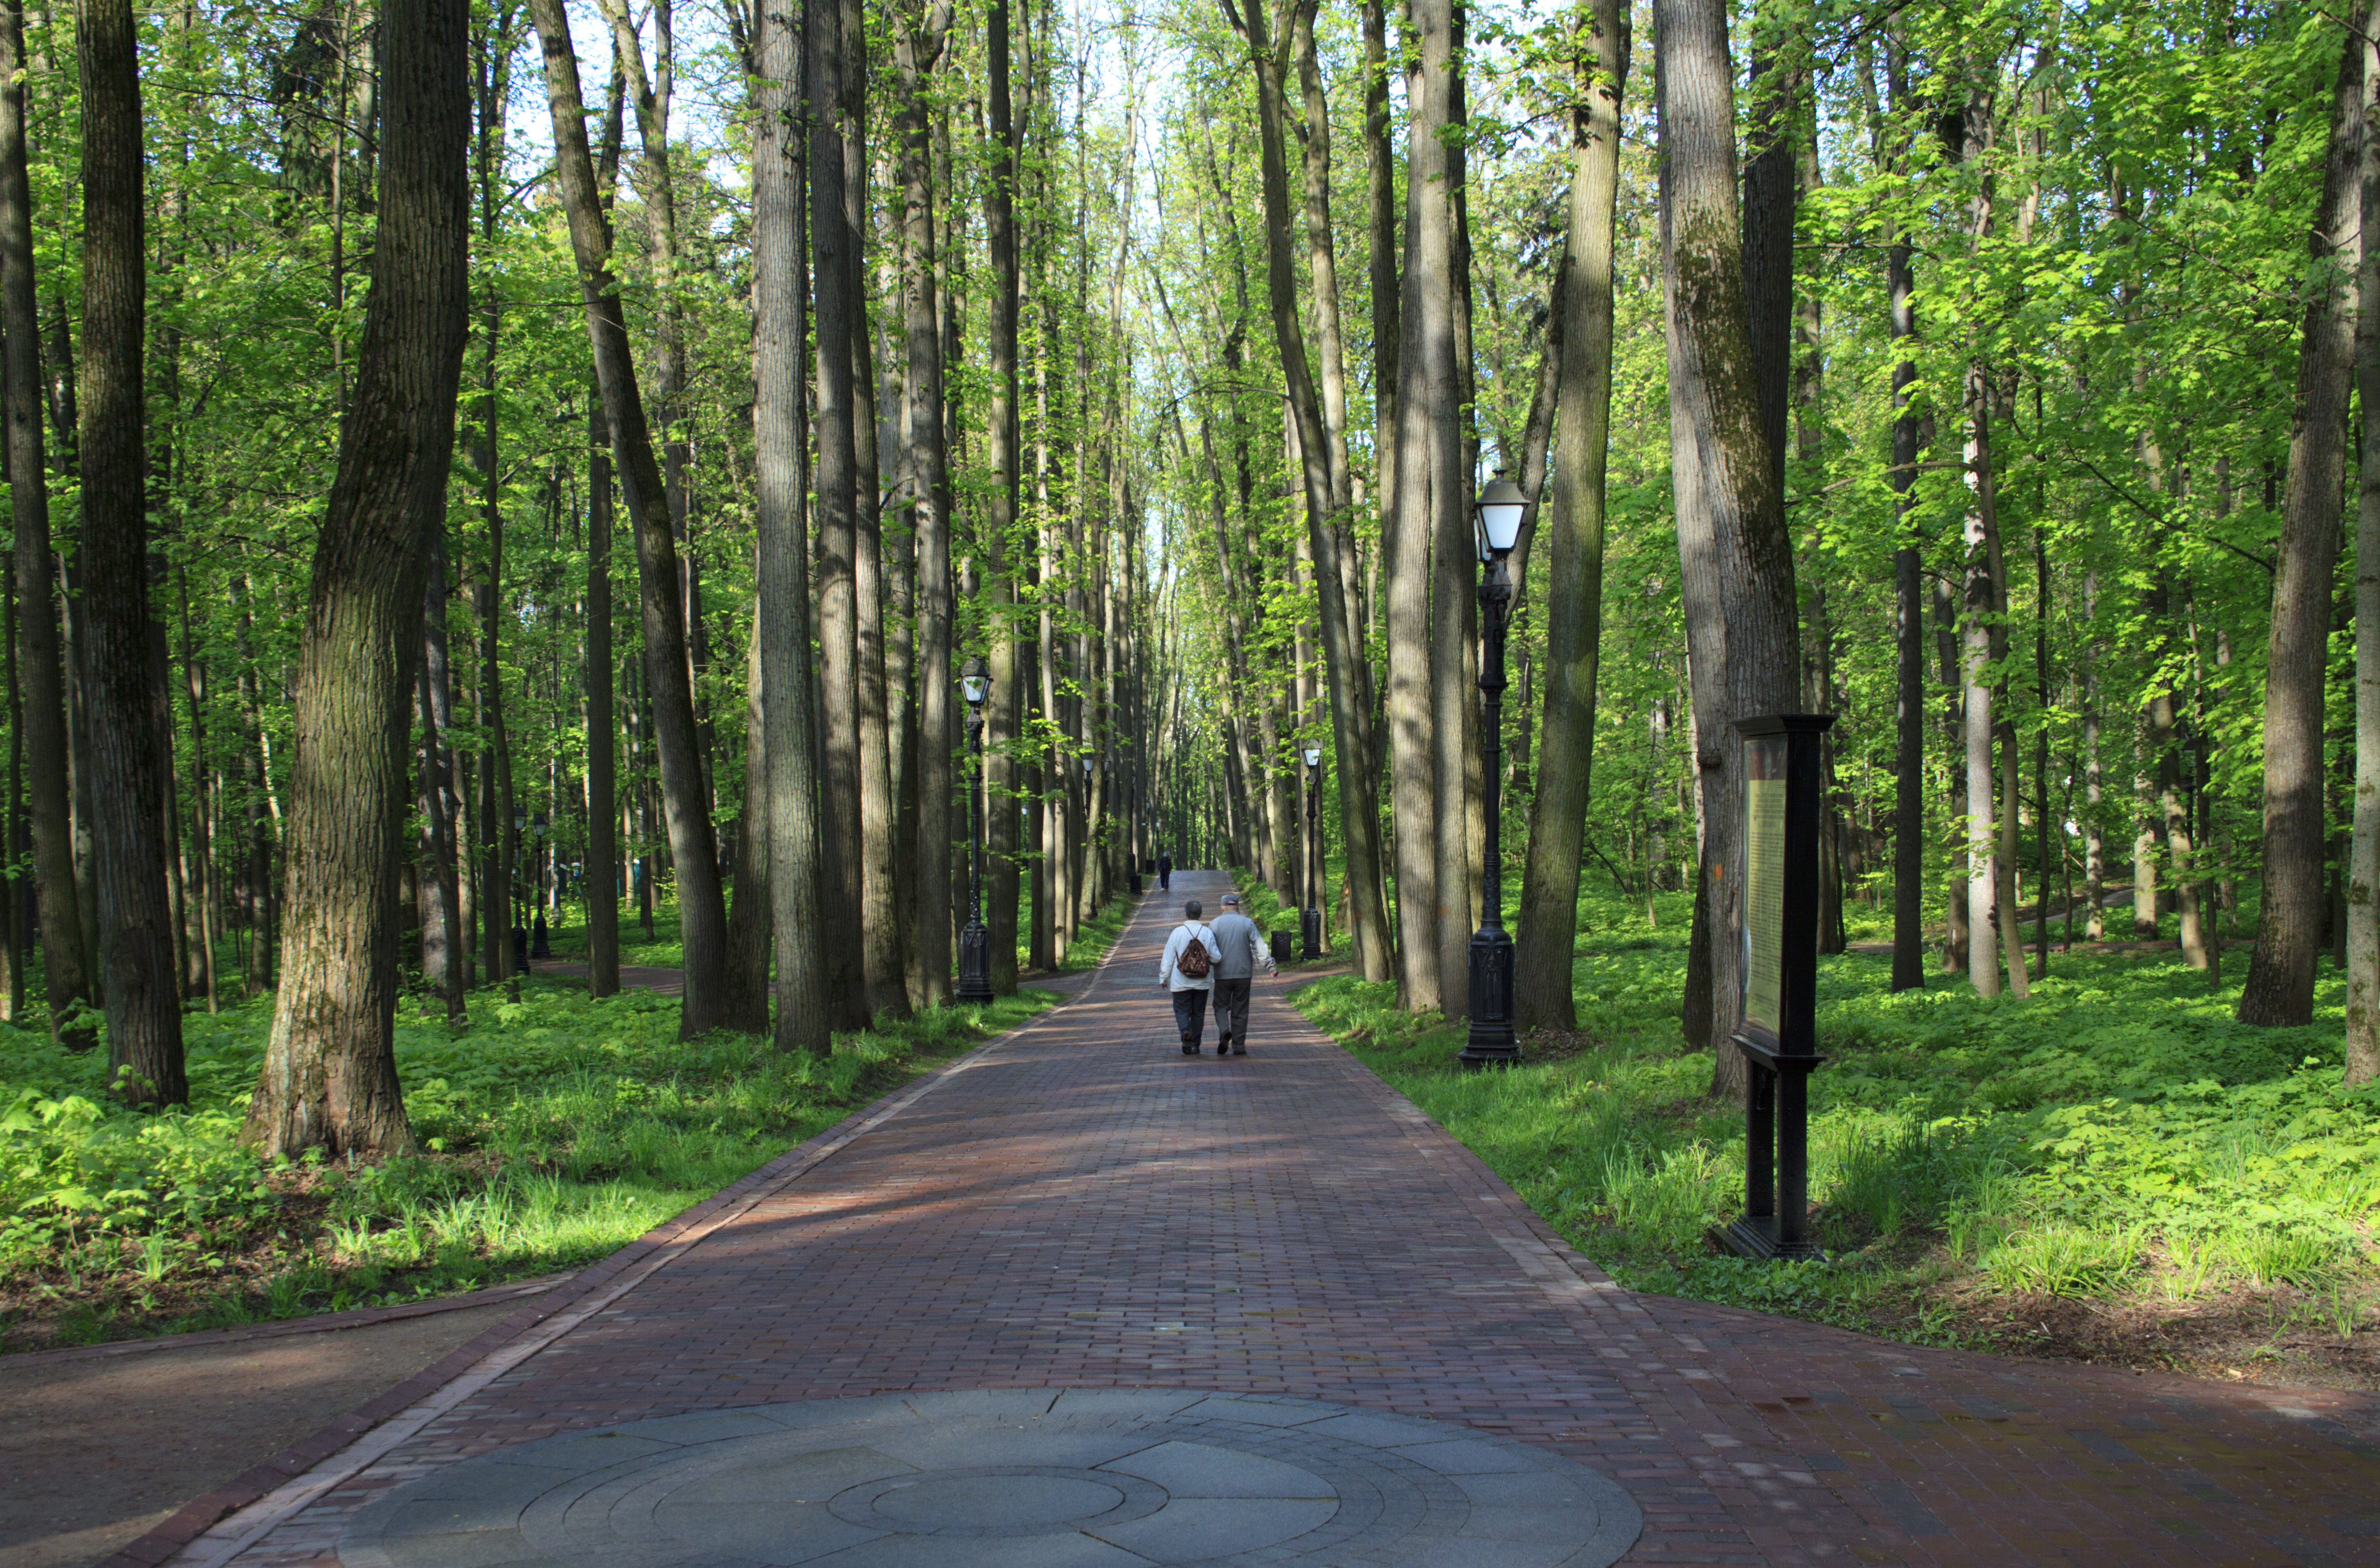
x=1079, y=1205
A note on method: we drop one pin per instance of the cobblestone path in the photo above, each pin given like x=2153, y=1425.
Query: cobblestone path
x=1078, y=1205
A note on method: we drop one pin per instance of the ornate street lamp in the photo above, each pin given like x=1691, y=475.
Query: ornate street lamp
x=1309, y=925
x=974, y=941
x=1496, y=517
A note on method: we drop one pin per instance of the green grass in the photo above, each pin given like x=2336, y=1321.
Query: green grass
x=553, y=1130
x=2116, y=1138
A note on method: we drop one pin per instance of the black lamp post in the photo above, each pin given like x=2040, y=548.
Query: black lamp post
x=1496, y=518
x=1309, y=925
x=974, y=941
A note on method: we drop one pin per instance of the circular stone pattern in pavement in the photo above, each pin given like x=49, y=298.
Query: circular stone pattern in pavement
x=1008, y=1479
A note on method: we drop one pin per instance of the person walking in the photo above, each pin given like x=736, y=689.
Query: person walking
x=1242, y=948
x=1164, y=871
x=1187, y=969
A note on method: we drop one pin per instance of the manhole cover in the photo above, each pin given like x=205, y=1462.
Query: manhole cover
x=1037, y=1478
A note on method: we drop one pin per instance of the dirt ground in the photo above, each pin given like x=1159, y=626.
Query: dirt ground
x=97, y=1450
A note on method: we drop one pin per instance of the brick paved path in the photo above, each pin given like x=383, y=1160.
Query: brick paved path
x=1079, y=1205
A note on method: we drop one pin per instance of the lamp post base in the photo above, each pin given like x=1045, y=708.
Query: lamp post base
x=1309, y=932
x=1755, y=1235
x=974, y=963
x=1492, y=1043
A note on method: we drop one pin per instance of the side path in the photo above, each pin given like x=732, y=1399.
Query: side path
x=1079, y=1205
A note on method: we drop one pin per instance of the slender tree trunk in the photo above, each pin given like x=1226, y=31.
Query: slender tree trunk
x=702, y=914
x=136, y=918
x=2363, y=887
x=795, y=882
x=918, y=57
x=747, y=1007
x=39, y=679
x=602, y=724
x=1428, y=480
x=1909, y=604
x=999, y=517
x=329, y=1080
x=1736, y=557
x=1548, y=911
x=839, y=315
x=2279, y=989
x=441, y=806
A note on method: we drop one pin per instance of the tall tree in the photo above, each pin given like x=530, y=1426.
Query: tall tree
x=703, y=910
x=329, y=1080
x=779, y=427
x=2279, y=989
x=39, y=679
x=1735, y=557
x=140, y=975
x=1542, y=997
x=2364, y=888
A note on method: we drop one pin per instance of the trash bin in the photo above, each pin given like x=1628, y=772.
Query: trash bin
x=1282, y=945
x=1135, y=879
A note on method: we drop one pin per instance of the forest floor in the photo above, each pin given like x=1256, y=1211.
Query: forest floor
x=554, y=1129
x=2110, y=1170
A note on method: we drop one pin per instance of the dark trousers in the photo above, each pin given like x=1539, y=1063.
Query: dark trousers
x=1231, y=1010
x=1190, y=1016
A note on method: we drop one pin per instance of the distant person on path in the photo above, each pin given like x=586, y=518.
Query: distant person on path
x=1188, y=969
x=1242, y=948
x=1164, y=873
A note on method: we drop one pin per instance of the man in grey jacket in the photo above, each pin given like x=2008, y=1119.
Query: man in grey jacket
x=1242, y=948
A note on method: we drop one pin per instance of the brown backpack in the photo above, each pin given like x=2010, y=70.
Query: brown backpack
x=1193, y=962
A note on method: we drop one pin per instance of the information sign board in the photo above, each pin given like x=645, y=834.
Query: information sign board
x=1764, y=884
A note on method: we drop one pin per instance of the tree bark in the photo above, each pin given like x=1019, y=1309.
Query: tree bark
x=329, y=1080
x=1736, y=557
x=142, y=982
x=2279, y=989
x=917, y=57
x=999, y=509
x=702, y=914
x=41, y=673
x=796, y=883
x=2363, y=883
x=443, y=939
x=1426, y=459
x=1909, y=597
x=602, y=722
x=1548, y=913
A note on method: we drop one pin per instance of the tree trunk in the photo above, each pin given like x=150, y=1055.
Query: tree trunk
x=40, y=669
x=999, y=517
x=702, y=914
x=142, y=982
x=602, y=724
x=2279, y=989
x=330, y=1073
x=1736, y=558
x=2364, y=888
x=1908, y=597
x=1548, y=913
x=779, y=438
x=443, y=939
x=917, y=57
x=1425, y=455
x=747, y=1007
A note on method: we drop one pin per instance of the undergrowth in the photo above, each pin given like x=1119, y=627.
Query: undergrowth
x=2116, y=1144
x=553, y=1131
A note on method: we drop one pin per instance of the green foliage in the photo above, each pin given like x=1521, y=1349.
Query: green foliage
x=553, y=1131
x=2116, y=1134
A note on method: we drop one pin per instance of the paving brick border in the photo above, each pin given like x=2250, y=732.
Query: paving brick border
x=601, y=1280
x=282, y=1327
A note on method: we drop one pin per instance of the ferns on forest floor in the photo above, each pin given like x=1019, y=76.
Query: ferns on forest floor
x=2117, y=1137
x=553, y=1131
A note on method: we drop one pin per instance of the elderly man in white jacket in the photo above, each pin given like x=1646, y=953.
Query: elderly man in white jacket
x=1190, y=984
